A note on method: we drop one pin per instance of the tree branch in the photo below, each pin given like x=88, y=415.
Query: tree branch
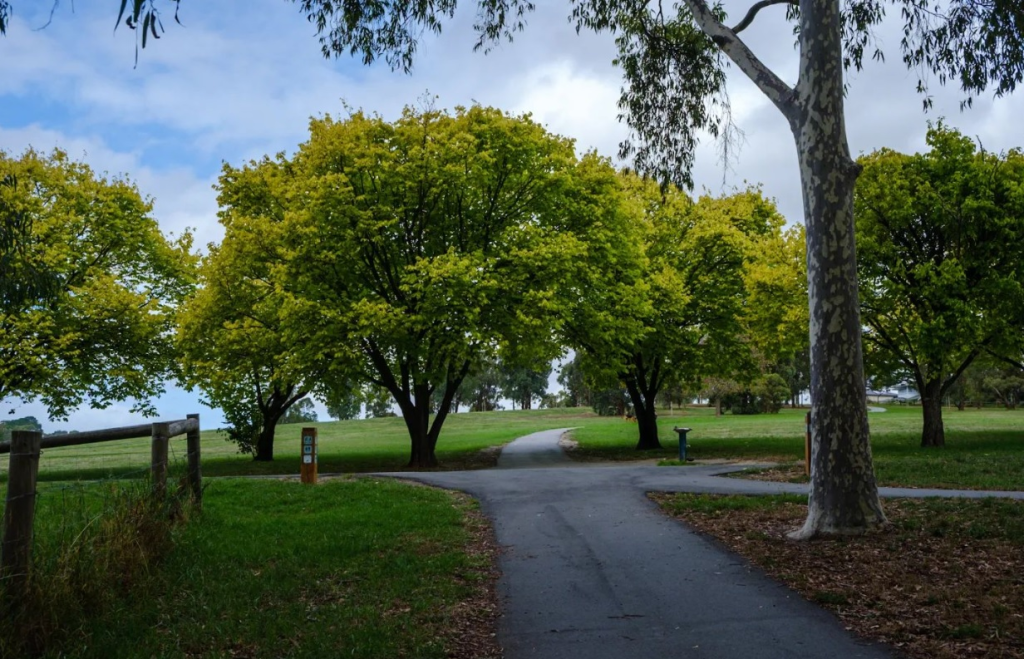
x=749, y=18
x=774, y=87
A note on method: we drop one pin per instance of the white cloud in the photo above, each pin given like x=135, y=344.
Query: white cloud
x=181, y=198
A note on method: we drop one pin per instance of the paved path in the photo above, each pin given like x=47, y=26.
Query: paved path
x=592, y=569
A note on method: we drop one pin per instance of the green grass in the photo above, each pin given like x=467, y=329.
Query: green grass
x=345, y=447
x=347, y=568
x=985, y=448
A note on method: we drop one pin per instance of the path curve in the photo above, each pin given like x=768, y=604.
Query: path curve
x=593, y=569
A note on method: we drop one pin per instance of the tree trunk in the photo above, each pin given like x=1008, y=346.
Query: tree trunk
x=647, y=424
x=718, y=406
x=416, y=413
x=931, y=406
x=844, y=496
x=265, y=442
x=646, y=417
x=422, y=455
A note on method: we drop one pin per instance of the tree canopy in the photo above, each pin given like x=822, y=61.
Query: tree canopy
x=412, y=249
x=941, y=262
x=234, y=334
x=663, y=296
x=92, y=319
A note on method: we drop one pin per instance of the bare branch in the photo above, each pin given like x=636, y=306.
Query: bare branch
x=749, y=18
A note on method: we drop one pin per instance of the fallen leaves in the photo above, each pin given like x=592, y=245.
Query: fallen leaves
x=946, y=580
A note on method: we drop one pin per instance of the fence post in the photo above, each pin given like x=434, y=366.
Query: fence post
x=158, y=461
x=195, y=474
x=16, y=556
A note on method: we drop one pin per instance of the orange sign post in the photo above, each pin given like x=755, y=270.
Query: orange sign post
x=307, y=468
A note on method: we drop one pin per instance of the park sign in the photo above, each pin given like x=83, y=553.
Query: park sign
x=308, y=464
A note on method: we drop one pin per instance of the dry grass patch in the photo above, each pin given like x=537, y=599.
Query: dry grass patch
x=945, y=580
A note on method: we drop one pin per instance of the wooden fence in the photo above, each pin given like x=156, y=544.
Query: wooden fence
x=25, y=448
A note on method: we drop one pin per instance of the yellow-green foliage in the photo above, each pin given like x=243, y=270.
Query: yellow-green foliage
x=96, y=322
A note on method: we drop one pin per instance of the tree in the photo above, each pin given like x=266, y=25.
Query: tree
x=521, y=384
x=775, y=316
x=344, y=403
x=302, y=411
x=941, y=238
x=577, y=391
x=234, y=333
x=480, y=388
x=88, y=286
x=417, y=246
x=671, y=314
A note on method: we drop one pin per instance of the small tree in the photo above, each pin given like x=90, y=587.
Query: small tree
x=302, y=411
x=523, y=384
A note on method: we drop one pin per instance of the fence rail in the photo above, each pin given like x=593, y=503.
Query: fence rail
x=25, y=449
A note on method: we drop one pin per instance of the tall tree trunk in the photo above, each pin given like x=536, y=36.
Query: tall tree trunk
x=844, y=495
x=933, y=433
x=718, y=405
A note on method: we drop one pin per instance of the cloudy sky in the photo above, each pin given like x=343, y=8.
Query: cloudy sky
x=241, y=78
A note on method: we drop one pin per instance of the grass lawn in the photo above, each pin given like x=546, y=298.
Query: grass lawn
x=351, y=567
x=943, y=582
x=358, y=446
x=984, y=448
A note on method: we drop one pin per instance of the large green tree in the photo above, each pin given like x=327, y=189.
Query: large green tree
x=234, y=333
x=416, y=247
x=88, y=286
x=665, y=307
x=941, y=261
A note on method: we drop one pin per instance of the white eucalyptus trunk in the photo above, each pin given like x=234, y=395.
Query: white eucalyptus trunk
x=844, y=496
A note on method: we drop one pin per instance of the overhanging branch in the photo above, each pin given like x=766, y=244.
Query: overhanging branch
x=774, y=87
x=752, y=13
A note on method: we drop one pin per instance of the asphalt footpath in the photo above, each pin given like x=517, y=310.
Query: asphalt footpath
x=592, y=569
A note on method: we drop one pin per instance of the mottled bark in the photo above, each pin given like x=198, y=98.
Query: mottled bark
x=844, y=495
x=933, y=433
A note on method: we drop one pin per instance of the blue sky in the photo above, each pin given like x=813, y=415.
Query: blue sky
x=242, y=78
